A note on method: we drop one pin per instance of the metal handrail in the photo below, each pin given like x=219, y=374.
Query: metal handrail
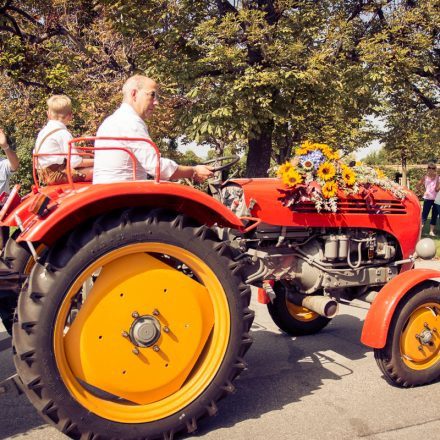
x=68, y=155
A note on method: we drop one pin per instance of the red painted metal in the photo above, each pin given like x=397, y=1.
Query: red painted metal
x=399, y=218
x=11, y=202
x=377, y=322
x=263, y=297
x=74, y=206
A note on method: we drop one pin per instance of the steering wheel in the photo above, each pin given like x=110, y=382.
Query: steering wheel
x=230, y=160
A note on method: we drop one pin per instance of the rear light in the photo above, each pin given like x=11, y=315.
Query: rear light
x=39, y=205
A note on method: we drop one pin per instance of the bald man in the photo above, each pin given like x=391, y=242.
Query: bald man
x=140, y=97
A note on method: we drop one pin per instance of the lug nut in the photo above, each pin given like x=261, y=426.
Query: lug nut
x=135, y=351
x=426, y=325
x=156, y=312
x=420, y=348
x=156, y=348
x=135, y=315
x=166, y=329
x=124, y=334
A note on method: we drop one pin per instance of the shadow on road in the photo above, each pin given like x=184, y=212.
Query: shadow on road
x=283, y=370
x=17, y=415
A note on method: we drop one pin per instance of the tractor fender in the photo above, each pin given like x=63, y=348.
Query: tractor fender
x=76, y=206
x=377, y=322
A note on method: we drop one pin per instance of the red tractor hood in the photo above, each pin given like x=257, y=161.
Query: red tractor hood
x=400, y=218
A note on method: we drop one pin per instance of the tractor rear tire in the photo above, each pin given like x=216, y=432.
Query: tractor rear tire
x=104, y=365
x=15, y=259
x=293, y=319
x=411, y=356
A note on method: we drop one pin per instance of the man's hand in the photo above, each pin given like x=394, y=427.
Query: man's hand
x=202, y=172
x=3, y=140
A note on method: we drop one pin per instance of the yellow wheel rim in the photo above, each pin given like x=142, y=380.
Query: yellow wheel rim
x=104, y=369
x=420, y=341
x=300, y=313
x=31, y=262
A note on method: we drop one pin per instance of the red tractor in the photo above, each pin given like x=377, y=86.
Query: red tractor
x=132, y=318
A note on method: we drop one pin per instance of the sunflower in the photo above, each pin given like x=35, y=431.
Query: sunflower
x=308, y=165
x=334, y=155
x=329, y=189
x=380, y=173
x=292, y=178
x=326, y=171
x=349, y=176
x=300, y=151
x=284, y=168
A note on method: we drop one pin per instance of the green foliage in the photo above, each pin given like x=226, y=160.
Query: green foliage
x=256, y=78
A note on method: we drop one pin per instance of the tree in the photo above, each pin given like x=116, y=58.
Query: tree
x=404, y=58
x=267, y=73
x=250, y=76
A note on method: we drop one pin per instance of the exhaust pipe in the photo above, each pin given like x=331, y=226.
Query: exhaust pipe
x=322, y=305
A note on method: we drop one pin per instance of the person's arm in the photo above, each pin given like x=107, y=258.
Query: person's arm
x=85, y=163
x=198, y=173
x=10, y=154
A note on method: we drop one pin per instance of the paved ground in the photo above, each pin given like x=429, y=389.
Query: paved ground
x=325, y=386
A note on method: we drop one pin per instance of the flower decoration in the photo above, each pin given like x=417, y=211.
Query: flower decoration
x=317, y=174
x=292, y=178
x=349, y=176
x=326, y=171
x=330, y=189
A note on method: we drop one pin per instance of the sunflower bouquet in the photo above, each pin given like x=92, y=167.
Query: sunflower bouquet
x=317, y=174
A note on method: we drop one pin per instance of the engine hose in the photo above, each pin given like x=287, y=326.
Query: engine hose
x=359, y=261
x=305, y=257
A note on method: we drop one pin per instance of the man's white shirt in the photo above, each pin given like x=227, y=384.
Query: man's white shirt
x=117, y=165
x=56, y=143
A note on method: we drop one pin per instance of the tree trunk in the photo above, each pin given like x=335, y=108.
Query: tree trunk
x=260, y=149
x=404, y=172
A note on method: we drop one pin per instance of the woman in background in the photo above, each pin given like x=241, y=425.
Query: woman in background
x=430, y=184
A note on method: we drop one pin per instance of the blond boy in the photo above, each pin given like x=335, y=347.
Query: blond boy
x=53, y=139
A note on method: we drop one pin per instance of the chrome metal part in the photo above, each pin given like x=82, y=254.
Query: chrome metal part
x=145, y=331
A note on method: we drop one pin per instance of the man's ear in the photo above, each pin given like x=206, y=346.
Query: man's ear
x=133, y=94
x=48, y=114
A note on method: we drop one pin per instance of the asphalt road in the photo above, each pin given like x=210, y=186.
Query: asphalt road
x=325, y=386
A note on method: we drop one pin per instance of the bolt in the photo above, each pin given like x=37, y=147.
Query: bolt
x=156, y=348
x=166, y=329
x=426, y=325
x=135, y=315
x=420, y=348
x=434, y=330
x=124, y=334
x=418, y=337
x=135, y=351
x=156, y=312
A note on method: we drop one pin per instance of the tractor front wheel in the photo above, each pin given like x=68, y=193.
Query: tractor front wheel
x=132, y=327
x=411, y=355
x=293, y=319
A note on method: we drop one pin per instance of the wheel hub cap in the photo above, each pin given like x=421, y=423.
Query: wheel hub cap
x=425, y=337
x=145, y=331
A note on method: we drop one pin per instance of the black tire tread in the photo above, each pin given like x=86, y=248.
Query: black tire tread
x=28, y=340
x=389, y=363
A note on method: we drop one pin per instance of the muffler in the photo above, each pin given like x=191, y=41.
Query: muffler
x=322, y=305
